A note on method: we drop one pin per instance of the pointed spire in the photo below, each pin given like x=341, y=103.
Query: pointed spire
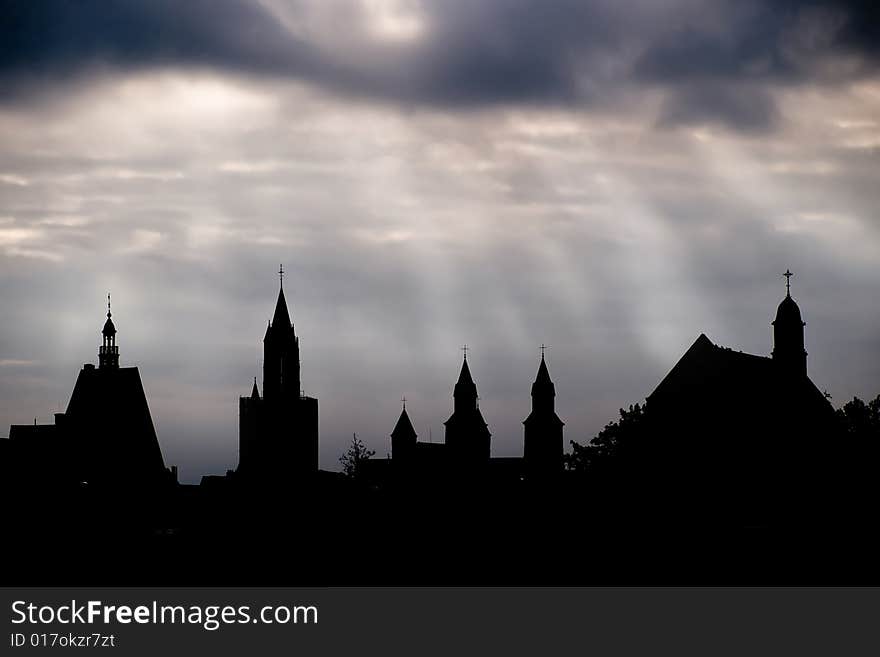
x=465, y=375
x=109, y=328
x=281, y=318
x=255, y=393
x=543, y=373
x=404, y=427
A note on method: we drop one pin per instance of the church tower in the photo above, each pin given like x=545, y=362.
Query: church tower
x=278, y=432
x=108, y=353
x=788, y=334
x=281, y=378
x=543, y=445
x=467, y=434
x=403, y=439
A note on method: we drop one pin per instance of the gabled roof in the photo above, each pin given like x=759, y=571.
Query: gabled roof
x=708, y=370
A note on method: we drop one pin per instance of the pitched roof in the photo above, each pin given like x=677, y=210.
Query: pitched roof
x=109, y=415
x=707, y=369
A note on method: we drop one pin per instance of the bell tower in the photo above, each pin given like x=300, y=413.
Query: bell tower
x=788, y=334
x=108, y=353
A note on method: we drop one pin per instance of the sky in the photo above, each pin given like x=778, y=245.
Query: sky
x=610, y=178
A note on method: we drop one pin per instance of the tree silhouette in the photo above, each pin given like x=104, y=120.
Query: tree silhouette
x=353, y=459
x=611, y=444
x=861, y=421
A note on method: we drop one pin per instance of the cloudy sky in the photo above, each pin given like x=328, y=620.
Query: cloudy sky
x=608, y=177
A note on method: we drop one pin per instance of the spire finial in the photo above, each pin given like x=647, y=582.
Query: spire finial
x=281, y=275
x=108, y=304
x=542, y=350
x=788, y=276
x=404, y=402
x=465, y=350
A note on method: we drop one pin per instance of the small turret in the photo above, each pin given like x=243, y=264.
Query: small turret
x=788, y=334
x=108, y=353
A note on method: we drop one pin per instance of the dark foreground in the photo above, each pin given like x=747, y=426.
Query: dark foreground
x=336, y=536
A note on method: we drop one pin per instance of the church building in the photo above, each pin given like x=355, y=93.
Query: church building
x=278, y=431
x=105, y=438
x=742, y=430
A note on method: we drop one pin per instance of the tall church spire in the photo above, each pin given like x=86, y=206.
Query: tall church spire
x=788, y=334
x=281, y=369
x=108, y=352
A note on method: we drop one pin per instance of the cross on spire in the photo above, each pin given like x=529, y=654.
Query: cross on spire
x=281, y=275
x=788, y=276
x=404, y=402
x=465, y=350
x=542, y=350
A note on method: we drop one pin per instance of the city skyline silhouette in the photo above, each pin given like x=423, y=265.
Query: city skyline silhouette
x=509, y=444
x=619, y=258
x=727, y=444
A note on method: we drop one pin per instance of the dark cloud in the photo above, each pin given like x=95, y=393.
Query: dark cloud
x=43, y=42
x=471, y=54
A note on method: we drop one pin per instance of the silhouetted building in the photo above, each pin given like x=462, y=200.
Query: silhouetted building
x=278, y=432
x=467, y=434
x=788, y=335
x=404, y=440
x=542, y=441
x=741, y=432
x=105, y=438
x=414, y=461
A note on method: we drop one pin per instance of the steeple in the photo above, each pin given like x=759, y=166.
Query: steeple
x=281, y=318
x=543, y=390
x=788, y=334
x=467, y=435
x=281, y=370
x=255, y=393
x=542, y=441
x=465, y=392
x=108, y=352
